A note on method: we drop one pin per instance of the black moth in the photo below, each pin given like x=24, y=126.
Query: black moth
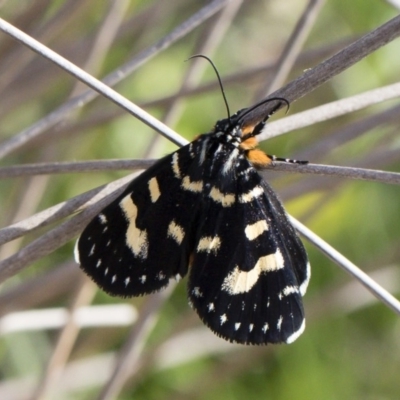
x=206, y=210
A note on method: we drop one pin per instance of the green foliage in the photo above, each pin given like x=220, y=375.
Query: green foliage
x=345, y=353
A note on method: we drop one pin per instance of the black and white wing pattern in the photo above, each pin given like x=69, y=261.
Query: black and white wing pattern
x=143, y=238
x=206, y=210
x=249, y=269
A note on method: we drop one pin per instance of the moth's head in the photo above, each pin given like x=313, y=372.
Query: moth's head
x=243, y=134
x=231, y=125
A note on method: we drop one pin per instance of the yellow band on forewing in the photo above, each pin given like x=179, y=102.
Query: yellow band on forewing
x=251, y=195
x=135, y=239
x=176, y=232
x=225, y=199
x=192, y=186
x=209, y=244
x=154, y=189
x=175, y=166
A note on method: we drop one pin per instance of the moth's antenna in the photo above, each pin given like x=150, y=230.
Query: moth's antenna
x=219, y=80
x=249, y=110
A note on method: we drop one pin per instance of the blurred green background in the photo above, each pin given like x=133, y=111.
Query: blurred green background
x=351, y=346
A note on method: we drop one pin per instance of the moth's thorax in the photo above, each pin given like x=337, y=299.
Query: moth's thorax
x=232, y=141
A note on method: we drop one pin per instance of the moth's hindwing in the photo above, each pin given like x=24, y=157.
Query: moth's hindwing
x=249, y=268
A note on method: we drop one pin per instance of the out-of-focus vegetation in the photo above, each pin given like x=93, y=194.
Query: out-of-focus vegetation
x=351, y=346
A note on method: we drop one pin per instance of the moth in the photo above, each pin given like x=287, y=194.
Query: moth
x=205, y=211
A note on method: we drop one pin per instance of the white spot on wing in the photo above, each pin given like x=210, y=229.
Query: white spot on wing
x=203, y=151
x=239, y=281
x=265, y=328
x=135, y=239
x=114, y=278
x=288, y=290
x=176, y=232
x=223, y=318
x=226, y=200
x=127, y=280
x=296, y=334
x=142, y=279
x=251, y=326
x=102, y=218
x=279, y=323
x=154, y=189
x=98, y=263
x=253, y=231
x=303, y=286
x=197, y=292
x=161, y=276
x=211, y=307
x=92, y=250
x=237, y=326
x=76, y=252
x=209, y=244
x=175, y=166
x=251, y=195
